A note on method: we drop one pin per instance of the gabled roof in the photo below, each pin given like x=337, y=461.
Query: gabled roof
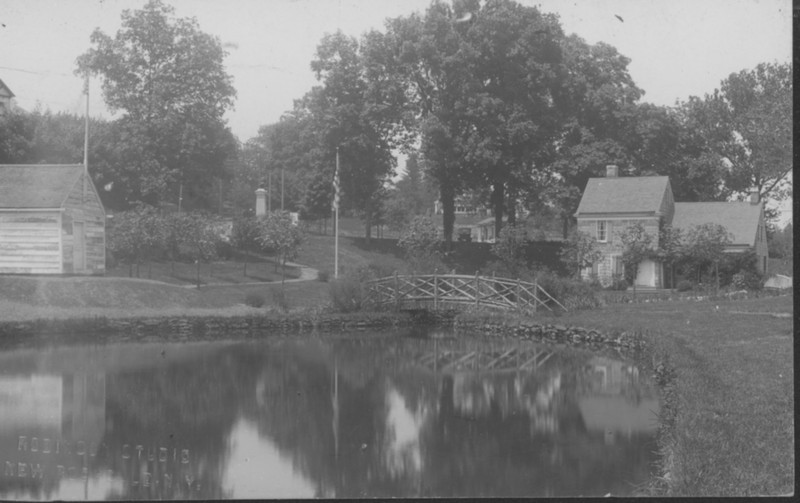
x=8, y=91
x=740, y=218
x=635, y=194
x=37, y=185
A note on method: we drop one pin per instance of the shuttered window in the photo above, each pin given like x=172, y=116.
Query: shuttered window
x=602, y=231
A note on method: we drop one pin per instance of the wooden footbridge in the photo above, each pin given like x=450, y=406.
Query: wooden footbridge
x=438, y=290
x=454, y=360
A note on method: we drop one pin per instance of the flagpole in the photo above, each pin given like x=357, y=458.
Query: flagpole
x=336, y=219
x=86, y=140
x=86, y=129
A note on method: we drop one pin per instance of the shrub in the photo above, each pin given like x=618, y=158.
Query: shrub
x=573, y=294
x=618, y=283
x=323, y=276
x=254, y=299
x=684, y=285
x=224, y=249
x=279, y=299
x=347, y=295
x=748, y=280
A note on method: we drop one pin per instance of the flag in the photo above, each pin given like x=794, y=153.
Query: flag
x=336, y=183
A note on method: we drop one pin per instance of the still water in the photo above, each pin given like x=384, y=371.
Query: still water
x=372, y=415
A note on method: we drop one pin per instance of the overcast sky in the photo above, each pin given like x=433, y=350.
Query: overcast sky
x=678, y=48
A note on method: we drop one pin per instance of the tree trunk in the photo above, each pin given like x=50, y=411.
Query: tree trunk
x=447, y=194
x=197, y=263
x=512, y=207
x=497, y=198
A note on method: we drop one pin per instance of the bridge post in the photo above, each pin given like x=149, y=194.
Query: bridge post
x=435, y=289
x=396, y=292
x=477, y=292
x=535, y=295
x=519, y=305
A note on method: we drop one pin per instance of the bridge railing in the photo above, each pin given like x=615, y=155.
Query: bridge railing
x=504, y=293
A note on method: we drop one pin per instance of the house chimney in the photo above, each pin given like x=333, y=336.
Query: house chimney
x=612, y=171
x=754, y=197
x=261, y=202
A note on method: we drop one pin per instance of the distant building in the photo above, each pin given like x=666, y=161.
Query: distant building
x=5, y=97
x=611, y=204
x=51, y=221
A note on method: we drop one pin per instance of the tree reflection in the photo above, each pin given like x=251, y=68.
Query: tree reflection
x=362, y=417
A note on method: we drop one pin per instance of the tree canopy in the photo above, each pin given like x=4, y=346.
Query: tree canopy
x=168, y=79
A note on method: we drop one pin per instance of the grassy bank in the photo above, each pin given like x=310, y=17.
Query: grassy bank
x=733, y=432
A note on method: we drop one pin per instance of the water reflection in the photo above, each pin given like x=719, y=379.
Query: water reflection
x=372, y=416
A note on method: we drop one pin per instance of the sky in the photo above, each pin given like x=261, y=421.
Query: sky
x=677, y=48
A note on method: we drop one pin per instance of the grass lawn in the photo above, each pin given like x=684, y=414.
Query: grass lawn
x=318, y=252
x=734, y=432
x=230, y=272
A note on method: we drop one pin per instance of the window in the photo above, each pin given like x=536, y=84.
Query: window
x=601, y=231
x=617, y=266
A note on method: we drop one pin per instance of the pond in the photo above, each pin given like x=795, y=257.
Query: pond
x=367, y=415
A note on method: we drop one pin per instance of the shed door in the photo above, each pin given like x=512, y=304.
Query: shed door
x=79, y=250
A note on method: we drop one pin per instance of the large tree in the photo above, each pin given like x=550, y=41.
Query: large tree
x=748, y=123
x=517, y=95
x=598, y=98
x=168, y=79
x=430, y=56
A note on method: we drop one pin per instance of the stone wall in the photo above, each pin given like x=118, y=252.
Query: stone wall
x=613, y=245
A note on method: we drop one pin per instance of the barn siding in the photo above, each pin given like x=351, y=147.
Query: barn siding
x=83, y=205
x=30, y=242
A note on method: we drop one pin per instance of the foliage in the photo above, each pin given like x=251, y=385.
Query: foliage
x=572, y=293
x=420, y=241
x=279, y=234
x=704, y=247
x=581, y=251
x=747, y=122
x=349, y=293
x=685, y=285
x=280, y=300
x=168, y=78
x=510, y=247
x=741, y=268
x=618, y=283
x=254, y=299
x=637, y=247
x=244, y=237
x=136, y=235
x=199, y=239
x=781, y=242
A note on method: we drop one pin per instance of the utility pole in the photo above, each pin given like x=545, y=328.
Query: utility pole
x=269, y=192
x=281, y=188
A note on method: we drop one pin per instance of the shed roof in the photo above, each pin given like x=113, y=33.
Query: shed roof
x=36, y=185
x=7, y=92
x=635, y=194
x=740, y=218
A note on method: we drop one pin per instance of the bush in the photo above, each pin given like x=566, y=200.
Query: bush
x=254, y=299
x=323, y=276
x=224, y=250
x=347, y=295
x=618, y=283
x=748, y=280
x=684, y=285
x=573, y=294
x=279, y=300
